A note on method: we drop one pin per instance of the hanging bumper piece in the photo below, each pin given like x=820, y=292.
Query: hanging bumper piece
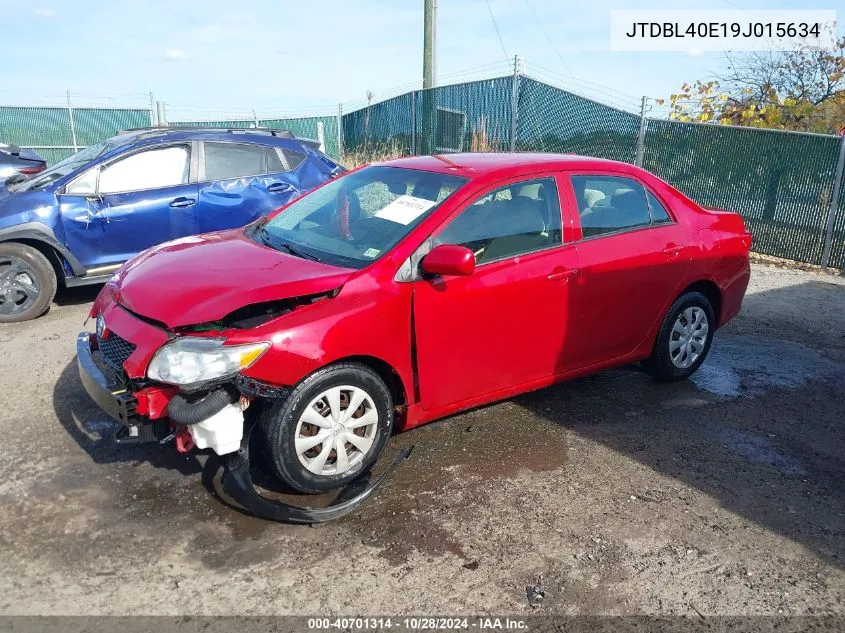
x=237, y=484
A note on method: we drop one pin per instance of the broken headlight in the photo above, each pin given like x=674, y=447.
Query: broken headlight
x=191, y=360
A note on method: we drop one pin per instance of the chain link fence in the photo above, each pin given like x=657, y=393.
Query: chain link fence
x=304, y=127
x=780, y=182
x=553, y=120
x=784, y=184
x=56, y=133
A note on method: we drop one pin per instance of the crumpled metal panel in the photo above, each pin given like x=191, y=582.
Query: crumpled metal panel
x=233, y=203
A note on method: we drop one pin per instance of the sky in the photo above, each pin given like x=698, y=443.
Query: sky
x=217, y=58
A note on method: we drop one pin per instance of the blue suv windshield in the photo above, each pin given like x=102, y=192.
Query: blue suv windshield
x=68, y=165
x=357, y=218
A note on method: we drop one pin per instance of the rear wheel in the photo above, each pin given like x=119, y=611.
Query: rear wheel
x=332, y=427
x=684, y=338
x=27, y=282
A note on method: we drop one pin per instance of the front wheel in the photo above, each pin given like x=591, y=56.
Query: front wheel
x=684, y=338
x=27, y=282
x=332, y=427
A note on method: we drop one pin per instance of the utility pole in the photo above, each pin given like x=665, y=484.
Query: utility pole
x=638, y=159
x=428, y=132
x=517, y=70
x=429, y=39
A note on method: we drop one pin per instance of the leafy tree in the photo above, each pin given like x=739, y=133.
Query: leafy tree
x=794, y=90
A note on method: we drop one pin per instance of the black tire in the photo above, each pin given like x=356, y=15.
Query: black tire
x=660, y=363
x=20, y=301
x=278, y=426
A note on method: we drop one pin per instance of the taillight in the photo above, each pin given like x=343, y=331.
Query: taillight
x=29, y=171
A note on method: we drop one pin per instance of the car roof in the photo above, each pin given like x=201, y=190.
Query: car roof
x=474, y=165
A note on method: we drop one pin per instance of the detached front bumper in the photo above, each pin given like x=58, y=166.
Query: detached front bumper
x=112, y=396
x=138, y=413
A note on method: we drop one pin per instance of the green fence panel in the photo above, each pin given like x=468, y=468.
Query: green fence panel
x=781, y=183
x=468, y=117
x=552, y=120
x=54, y=155
x=35, y=126
x=97, y=124
x=48, y=129
x=305, y=127
x=380, y=130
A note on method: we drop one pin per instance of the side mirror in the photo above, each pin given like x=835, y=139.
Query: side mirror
x=448, y=259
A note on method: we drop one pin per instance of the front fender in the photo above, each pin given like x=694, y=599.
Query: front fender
x=368, y=318
x=40, y=232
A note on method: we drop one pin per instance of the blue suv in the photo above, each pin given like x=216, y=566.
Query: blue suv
x=79, y=220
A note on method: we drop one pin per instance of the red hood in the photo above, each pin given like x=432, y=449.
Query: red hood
x=205, y=277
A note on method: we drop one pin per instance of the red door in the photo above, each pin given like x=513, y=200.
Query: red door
x=633, y=257
x=506, y=323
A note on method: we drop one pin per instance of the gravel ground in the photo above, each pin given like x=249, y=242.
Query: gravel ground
x=606, y=495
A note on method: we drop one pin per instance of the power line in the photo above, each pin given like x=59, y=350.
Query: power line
x=496, y=26
x=554, y=48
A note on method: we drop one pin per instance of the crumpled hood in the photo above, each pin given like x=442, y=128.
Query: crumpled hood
x=203, y=278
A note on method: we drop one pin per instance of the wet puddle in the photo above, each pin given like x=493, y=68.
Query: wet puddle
x=757, y=450
x=749, y=366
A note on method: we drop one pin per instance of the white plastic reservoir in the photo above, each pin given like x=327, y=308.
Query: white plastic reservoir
x=222, y=432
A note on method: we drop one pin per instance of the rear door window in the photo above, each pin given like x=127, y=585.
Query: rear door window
x=610, y=204
x=234, y=160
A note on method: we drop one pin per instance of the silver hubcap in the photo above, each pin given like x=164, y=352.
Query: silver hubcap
x=336, y=430
x=689, y=334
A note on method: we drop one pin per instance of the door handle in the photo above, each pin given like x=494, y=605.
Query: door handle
x=673, y=251
x=563, y=275
x=182, y=202
x=276, y=187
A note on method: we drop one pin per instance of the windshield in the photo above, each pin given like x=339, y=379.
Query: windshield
x=67, y=166
x=357, y=218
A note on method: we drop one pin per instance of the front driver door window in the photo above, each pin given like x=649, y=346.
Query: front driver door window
x=153, y=169
x=505, y=324
x=141, y=200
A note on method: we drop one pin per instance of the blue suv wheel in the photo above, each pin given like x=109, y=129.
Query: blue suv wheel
x=27, y=283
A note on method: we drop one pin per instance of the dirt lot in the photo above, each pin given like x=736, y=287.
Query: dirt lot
x=613, y=494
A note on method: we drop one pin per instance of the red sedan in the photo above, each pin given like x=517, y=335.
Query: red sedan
x=403, y=292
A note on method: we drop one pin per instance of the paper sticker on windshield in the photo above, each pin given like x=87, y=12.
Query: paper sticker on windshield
x=405, y=209
x=371, y=252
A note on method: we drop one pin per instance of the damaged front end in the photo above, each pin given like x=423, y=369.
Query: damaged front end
x=187, y=387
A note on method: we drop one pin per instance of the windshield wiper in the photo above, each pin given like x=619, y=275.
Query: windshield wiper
x=298, y=253
x=270, y=240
